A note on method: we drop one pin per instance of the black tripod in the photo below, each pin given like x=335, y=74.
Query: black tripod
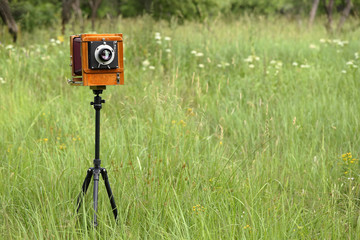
x=97, y=170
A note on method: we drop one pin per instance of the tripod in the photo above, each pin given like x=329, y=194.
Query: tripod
x=97, y=170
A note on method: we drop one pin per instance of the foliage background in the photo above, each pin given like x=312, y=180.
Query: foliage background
x=43, y=13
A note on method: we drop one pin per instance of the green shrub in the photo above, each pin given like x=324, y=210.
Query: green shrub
x=31, y=15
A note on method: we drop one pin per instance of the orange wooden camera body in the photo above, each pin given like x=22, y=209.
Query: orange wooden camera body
x=99, y=77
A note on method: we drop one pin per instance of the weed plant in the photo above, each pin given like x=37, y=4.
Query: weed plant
x=225, y=130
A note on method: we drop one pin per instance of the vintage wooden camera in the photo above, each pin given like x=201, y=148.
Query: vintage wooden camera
x=97, y=59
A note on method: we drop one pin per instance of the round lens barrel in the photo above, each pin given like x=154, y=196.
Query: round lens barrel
x=105, y=55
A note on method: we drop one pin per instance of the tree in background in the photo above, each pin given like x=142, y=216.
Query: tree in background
x=69, y=6
x=313, y=12
x=94, y=5
x=329, y=7
x=8, y=19
x=345, y=13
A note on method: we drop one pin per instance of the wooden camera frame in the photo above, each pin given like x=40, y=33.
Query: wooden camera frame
x=83, y=60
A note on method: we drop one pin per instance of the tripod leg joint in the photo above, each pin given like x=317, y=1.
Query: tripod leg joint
x=104, y=174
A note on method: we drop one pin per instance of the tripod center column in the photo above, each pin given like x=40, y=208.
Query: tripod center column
x=97, y=106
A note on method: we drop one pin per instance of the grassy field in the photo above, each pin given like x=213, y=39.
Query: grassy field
x=226, y=130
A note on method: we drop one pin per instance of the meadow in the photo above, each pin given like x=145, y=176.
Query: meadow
x=243, y=129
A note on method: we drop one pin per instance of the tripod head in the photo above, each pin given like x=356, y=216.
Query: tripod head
x=97, y=90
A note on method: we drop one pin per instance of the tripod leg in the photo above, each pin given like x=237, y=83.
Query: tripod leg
x=96, y=188
x=109, y=192
x=84, y=188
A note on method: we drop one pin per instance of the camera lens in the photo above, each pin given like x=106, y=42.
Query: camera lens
x=105, y=55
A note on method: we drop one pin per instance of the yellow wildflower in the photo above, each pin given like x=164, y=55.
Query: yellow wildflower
x=60, y=38
x=247, y=226
x=190, y=112
x=183, y=123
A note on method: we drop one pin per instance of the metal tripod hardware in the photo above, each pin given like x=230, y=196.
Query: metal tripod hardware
x=95, y=171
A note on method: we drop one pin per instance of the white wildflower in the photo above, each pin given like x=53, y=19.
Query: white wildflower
x=295, y=64
x=9, y=47
x=219, y=65
x=322, y=40
x=356, y=55
x=339, y=42
x=167, y=38
x=313, y=46
x=199, y=54
x=227, y=64
x=58, y=42
x=158, y=42
x=2, y=81
x=343, y=71
x=52, y=40
x=251, y=65
x=146, y=63
x=193, y=52
x=272, y=62
x=248, y=59
x=278, y=65
x=350, y=63
x=305, y=66
x=157, y=36
x=168, y=50
x=151, y=67
x=251, y=58
x=201, y=65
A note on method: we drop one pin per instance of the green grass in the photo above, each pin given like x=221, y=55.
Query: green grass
x=245, y=150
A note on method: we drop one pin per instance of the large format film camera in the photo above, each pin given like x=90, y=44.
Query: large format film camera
x=97, y=59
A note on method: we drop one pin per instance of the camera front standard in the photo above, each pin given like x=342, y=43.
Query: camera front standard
x=103, y=55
